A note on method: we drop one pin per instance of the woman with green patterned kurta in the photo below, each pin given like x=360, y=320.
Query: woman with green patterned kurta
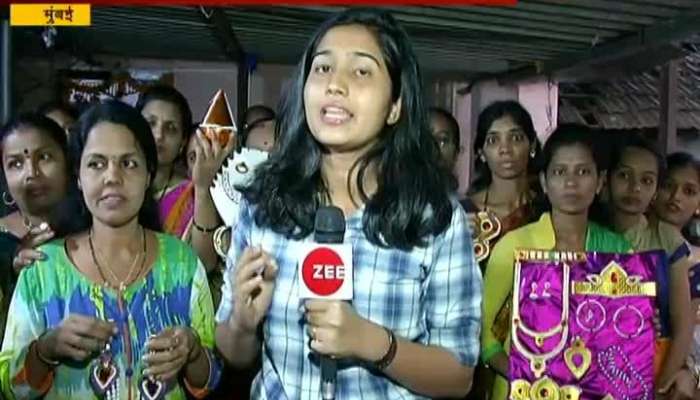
x=116, y=310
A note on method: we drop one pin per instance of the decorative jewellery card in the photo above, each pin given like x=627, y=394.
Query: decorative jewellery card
x=582, y=325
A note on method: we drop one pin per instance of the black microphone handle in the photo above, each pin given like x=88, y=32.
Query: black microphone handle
x=329, y=369
x=329, y=228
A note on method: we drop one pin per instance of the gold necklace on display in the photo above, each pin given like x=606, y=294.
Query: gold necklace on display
x=538, y=362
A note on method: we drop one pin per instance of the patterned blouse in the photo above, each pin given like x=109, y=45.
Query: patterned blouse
x=173, y=293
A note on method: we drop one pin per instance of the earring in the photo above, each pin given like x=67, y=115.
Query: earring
x=482, y=157
x=10, y=202
x=151, y=389
x=532, y=153
x=545, y=293
x=104, y=376
x=533, y=291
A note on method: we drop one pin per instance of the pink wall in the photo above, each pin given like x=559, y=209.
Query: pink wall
x=267, y=83
x=541, y=99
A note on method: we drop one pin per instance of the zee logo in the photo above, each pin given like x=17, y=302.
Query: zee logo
x=325, y=274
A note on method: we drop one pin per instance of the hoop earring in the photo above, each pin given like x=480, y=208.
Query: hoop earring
x=618, y=330
x=8, y=203
x=588, y=321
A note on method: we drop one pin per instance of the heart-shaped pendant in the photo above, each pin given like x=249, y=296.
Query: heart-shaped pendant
x=152, y=389
x=104, y=374
x=578, y=367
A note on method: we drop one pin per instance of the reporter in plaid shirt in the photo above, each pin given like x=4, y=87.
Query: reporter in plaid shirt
x=354, y=133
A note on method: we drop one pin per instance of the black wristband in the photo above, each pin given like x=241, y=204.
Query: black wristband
x=202, y=228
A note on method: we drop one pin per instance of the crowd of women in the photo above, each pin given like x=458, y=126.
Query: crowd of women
x=110, y=279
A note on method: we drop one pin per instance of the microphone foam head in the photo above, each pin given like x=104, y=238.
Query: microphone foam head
x=329, y=226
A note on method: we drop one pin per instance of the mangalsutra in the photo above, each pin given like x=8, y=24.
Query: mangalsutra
x=538, y=362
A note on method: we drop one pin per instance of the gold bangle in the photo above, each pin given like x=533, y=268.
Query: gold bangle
x=41, y=357
x=388, y=357
x=218, y=241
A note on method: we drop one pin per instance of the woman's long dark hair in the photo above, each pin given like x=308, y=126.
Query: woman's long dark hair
x=577, y=134
x=494, y=111
x=681, y=160
x=412, y=198
x=76, y=217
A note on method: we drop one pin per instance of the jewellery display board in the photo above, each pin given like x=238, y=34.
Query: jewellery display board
x=582, y=325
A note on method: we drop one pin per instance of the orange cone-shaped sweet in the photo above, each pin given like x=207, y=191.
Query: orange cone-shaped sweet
x=218, y=123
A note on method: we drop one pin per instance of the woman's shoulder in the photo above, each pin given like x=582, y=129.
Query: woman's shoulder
x=48, y=274
x=669, y=234
x=54, y=246
x=176, y=259
x=537, y=234
x=515, y=238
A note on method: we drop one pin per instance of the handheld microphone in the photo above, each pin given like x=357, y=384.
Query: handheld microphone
x=326, y=272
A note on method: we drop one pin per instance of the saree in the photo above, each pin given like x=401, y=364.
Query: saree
x=517, y=218
x=176, y=210
x=483, y=376
x=582, y=325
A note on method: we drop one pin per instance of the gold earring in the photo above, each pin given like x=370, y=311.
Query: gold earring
x=392, y=116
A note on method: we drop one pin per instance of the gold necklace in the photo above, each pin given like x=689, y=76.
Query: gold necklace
x=538, y=362
x=127, y=280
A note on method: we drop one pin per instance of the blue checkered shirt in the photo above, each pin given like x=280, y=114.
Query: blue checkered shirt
x=430, y=295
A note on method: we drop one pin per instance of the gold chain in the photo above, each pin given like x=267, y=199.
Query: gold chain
x=538, y=362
